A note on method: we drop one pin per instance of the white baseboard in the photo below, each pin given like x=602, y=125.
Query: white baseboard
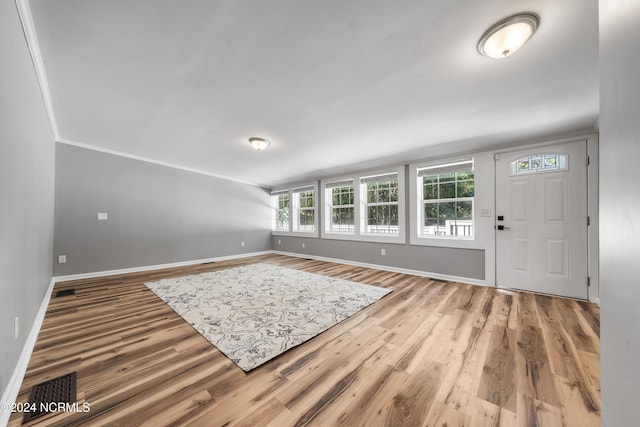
x=154, y=267
x=438, y=276
x=13, y=387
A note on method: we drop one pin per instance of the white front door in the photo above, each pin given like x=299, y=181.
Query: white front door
x=541, y=220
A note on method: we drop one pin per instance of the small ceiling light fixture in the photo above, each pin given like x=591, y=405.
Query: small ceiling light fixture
x=259, y=143
x=509, y=35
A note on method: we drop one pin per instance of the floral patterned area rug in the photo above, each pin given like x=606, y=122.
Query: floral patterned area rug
x=256, y=312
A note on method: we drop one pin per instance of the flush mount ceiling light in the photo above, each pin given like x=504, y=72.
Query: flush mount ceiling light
x=259, y=143
x=508, y=35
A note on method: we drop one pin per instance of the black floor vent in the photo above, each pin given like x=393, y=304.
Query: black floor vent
x=65, y=293
x=46, y=396
x=210, y=262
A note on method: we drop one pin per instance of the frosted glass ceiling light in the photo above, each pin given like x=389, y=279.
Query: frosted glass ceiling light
x=508, y=35
x=259, y=143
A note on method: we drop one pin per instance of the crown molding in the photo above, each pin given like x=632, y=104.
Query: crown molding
x=24, y=11
x=26, y=19
x=149, y=160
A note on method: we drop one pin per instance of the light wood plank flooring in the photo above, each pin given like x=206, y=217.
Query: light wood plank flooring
x=431, y=353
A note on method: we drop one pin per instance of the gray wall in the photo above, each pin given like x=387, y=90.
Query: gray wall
x=467, y=263
x=156, y=214
x=26, y=192
x=620, y=211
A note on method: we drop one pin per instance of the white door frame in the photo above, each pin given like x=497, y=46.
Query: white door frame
x=592, y=207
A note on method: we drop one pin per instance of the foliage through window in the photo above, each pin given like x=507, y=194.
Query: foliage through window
x=304, y=205
x=447, y=193
x=342, y=206
x=295, y=211
x=282, y=211
x=539, y=163
x=381, y=206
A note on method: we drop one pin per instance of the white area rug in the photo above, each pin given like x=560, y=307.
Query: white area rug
x=254, y=313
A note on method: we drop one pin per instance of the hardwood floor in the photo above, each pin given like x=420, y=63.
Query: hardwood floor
x=431, y=353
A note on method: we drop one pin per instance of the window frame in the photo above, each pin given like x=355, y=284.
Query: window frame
x=328, y=187
x=275, y=203
x=417, y=203
x=359, y=194
x=294, y=210
x=364, y=182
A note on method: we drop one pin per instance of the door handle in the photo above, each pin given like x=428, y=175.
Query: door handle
x=502, y=227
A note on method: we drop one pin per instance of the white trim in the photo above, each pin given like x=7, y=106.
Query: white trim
x=543, y=143
x=293, y=210
x=430, y=275
x=155, y=267
x=593, y=212
x=592, y=182
x=416, y=203
x=15, y=382
x=26, y=19
x=482, y=226
x=148, y=160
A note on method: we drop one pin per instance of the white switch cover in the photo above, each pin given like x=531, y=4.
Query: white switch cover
x=62, y=259
x=242, y=244
x=102, y=216
x=383, y=251
x=303, y=246
x=485, y=212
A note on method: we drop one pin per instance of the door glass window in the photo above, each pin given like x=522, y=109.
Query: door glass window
x=538, y=163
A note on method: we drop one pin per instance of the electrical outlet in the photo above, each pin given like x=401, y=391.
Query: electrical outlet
x=279, y=241
x=62, y=259
x=242, y=244
x=383, y=251
x=16, y=328
x=303, y=246
x=103, y=216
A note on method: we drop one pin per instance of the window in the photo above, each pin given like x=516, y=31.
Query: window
x=539, y=163
x=282, y=211
x=305, y=209
x=341, y=200
x=294, y=211
x=365, y=207
x=446, y=194
x=381, y=204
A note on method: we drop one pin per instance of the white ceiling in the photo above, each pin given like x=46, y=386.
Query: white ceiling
x=335, y=85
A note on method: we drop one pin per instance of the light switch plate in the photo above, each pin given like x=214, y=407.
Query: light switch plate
x=102, y=216
x=485, y=212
